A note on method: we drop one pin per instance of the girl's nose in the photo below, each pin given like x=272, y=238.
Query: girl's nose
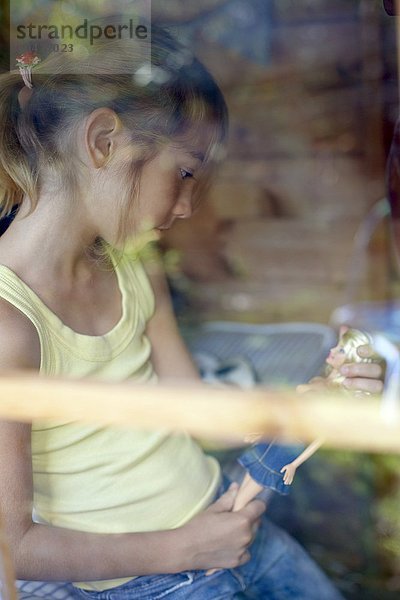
x=183, y=208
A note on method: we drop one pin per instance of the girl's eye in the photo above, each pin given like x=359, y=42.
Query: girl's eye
x=341, y=351
x=185, y=174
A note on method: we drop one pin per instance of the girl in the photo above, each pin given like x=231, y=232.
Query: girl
x=94, y=160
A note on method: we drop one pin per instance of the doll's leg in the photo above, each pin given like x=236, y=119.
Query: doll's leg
x=247, y=491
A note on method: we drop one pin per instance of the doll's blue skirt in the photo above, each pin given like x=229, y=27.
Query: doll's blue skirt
x=264, y=461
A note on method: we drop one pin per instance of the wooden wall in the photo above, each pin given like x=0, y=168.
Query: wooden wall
x=312, y=110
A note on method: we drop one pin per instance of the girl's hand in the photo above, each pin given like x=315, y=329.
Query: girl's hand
x=218, y=537
x=364, y=377
x=290, y=472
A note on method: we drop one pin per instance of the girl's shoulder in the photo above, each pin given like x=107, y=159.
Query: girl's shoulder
x=19, y=340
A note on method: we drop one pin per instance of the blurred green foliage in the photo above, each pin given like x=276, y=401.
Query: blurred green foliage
x=344, y=508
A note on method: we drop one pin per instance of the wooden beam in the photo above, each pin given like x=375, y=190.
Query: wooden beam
x=216, y=413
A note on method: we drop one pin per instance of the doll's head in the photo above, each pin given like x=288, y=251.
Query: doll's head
x=346, y=349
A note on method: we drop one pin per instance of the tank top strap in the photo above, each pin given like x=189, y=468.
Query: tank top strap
x=18, y=294
x=61, y=346
x=134, y=282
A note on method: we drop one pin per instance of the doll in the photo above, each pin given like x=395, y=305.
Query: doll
x=273, y=465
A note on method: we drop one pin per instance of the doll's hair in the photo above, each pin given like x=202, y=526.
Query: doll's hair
x=180, y=102
x=352, y=339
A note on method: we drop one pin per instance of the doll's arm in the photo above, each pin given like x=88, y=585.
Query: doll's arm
x=289, y=470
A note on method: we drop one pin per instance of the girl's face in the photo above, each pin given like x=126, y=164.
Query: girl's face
x=166, y=188
x=336, y=357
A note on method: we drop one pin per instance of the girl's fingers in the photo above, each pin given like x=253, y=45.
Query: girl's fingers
x=254, y=509
x=373, y=386
x=365, y=370
x=367, y=352
x=226, y=501
x=254, y=530
x=244, y=558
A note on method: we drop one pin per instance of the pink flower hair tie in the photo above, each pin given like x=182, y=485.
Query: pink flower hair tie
x=25, y=63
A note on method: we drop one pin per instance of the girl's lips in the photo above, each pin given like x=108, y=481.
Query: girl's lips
x=164, y=227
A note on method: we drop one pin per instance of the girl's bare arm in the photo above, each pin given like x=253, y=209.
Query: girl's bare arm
x=170, y=356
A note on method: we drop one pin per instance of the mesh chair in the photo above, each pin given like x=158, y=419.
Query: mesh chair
x=283, y=354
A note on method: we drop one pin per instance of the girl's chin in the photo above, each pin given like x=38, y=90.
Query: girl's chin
x=140, y=239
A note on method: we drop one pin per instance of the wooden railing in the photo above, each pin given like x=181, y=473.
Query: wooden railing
x=225, y=414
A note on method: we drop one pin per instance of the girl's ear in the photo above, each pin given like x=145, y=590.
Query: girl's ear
x=101, y=132
x=342, y=330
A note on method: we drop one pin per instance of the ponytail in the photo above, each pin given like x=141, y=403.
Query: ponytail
x=18, y=172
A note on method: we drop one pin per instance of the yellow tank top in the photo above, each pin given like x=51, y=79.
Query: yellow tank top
x=103, y=479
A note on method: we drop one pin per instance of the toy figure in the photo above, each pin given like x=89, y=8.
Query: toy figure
x=273, y=465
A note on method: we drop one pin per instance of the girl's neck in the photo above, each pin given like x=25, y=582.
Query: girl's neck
x=55, y=238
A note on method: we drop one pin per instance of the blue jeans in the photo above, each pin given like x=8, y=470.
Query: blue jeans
x=279, y=569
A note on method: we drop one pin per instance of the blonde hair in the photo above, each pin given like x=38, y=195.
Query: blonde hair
x=175, y=106
x=353, y=339
x=350, y=340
